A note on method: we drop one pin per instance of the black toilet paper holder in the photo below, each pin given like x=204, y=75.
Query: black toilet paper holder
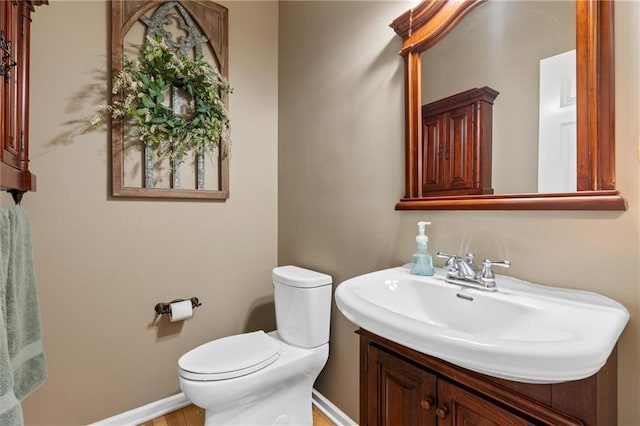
x=165, y=308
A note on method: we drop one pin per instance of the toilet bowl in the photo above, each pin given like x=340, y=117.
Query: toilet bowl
x=266, y=378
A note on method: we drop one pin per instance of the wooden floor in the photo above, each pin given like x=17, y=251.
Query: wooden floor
x=194, y=416
x=187, y=416
x=320, y=419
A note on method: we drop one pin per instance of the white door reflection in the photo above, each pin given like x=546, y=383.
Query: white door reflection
x=557, y=163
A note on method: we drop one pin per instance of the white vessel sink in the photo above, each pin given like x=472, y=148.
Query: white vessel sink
x=523, y=332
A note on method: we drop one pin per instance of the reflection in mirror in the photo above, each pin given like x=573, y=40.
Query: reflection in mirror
x=502, y=44
x=557, y=132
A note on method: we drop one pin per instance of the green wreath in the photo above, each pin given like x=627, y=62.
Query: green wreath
x=140, y=91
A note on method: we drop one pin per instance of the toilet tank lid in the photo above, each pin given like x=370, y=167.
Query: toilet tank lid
x=295, y=276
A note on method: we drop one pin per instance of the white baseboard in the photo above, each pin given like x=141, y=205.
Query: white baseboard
x=333, y=413
x=175, y=402
x=146, y=412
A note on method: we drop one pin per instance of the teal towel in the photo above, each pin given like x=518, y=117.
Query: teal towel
x=22, y=363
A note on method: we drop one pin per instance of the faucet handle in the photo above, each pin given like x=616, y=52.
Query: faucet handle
x=444, y=255
x=451, y=259
x=487, y=276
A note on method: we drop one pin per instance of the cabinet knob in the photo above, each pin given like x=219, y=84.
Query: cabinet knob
x=427, y=403
x=442, y=411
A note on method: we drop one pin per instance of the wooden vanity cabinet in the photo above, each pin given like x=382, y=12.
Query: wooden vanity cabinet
x=15, y=29
x=404, y=394
x=400, y=386
x=456, y=148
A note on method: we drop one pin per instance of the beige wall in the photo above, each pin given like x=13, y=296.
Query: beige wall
x=320, y=104
x=340, y=174
x=340, y=155
x=104, y=263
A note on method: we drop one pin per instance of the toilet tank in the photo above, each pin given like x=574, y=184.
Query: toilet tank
x=303, y=305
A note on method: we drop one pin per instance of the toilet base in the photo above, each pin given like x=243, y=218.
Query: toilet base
x=289, y=408
x=279, y=394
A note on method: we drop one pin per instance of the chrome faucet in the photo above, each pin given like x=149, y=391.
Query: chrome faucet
x=462, y=271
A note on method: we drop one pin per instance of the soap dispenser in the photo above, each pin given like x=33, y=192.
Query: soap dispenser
x=421, y=262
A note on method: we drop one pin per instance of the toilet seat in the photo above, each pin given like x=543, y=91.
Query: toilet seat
x=230, y=357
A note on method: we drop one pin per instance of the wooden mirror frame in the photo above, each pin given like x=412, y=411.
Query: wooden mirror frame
x=424, y=25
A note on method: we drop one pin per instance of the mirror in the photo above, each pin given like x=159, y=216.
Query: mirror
x=528, y=33
x=425, y=30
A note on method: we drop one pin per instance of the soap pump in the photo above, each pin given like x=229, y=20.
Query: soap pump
x=421, y=262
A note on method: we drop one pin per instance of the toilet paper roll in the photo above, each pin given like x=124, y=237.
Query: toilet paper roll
x=181, y=310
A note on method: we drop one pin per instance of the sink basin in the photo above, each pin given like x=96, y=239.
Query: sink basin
x=523, y=332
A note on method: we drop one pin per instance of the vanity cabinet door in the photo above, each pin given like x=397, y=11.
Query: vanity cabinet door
x=457, y=407
x=399, y=393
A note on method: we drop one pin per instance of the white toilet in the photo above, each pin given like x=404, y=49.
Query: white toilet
x=266, y=378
